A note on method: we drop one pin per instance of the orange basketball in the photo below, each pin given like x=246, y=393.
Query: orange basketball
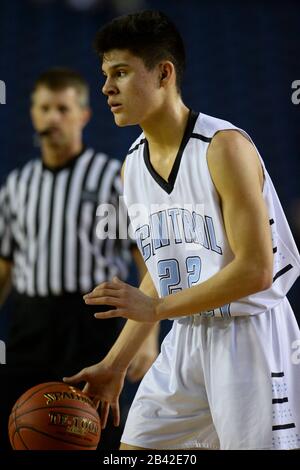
x=54, y=416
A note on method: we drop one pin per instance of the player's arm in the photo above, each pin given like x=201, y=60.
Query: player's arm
x=237, y=174
x=105, y=380
x=139, y=263
x=5, y=279
x=134, y=333
x=238, y=177
x=149, y=350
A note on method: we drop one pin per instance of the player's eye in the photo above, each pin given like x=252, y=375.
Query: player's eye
x=121, y=73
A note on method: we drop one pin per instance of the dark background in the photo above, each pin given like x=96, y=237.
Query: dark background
x=242, y=60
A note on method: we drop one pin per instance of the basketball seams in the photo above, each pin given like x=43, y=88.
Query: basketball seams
x=60, y=439
x=21, y=439
x=33, y=426
x=13, y=430
x=47, y=385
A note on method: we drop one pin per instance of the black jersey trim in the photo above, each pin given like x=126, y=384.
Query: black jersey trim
x=141, y=142
x=282, y=271
x=169, y=185
x=201, y=137
x=277, y=374
x=283, y=426
x=280, y=400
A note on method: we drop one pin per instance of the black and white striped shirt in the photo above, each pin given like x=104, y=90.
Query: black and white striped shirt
x=48, y=225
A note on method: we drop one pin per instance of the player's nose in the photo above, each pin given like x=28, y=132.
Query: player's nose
x=109, y=88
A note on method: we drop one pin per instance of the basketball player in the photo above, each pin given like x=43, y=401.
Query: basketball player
x=220, y=259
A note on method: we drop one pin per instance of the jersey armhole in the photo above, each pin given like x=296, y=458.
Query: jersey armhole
x=247, y=136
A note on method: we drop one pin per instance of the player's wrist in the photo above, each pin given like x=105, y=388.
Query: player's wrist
x=160, y=306
x=116, y=362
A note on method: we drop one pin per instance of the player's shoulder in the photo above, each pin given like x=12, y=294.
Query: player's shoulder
x=207, y=126
x=221, y=134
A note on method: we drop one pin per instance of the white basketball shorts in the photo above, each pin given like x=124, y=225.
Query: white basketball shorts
x=222, y=384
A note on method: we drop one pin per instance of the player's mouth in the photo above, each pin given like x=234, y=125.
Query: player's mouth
x=114, y=107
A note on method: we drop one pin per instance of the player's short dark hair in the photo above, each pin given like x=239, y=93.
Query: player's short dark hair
x=59, y=78
x=148, y=34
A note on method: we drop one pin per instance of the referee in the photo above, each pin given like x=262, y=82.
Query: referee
x=51, y=252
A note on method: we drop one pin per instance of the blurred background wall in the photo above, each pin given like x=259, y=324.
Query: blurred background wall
x=242, y=60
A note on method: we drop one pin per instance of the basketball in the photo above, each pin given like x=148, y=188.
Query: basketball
x=54, y=416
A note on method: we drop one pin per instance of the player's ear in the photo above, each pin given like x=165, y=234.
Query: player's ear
x=166, y=72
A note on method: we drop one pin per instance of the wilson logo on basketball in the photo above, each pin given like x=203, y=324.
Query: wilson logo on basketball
x=74, y=424
x=56, y=396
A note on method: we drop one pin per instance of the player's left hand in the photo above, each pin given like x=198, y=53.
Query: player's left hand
x=129, y=302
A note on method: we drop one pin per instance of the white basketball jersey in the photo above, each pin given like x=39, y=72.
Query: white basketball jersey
x=178, y=224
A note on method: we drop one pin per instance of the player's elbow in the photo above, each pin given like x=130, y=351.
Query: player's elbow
x=264, y=279
x=261, y=276
x=256, y=272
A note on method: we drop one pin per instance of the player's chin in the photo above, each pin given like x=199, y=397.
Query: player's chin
x=122, y=121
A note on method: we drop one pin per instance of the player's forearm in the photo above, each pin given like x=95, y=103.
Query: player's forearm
x=128, y=343
x=147, y=286
x=238, y=279
x=140, y=264
x=133, y=334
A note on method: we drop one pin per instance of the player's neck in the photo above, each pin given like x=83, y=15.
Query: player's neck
x=166, y=130
x=55, y=157
x=165, y=136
